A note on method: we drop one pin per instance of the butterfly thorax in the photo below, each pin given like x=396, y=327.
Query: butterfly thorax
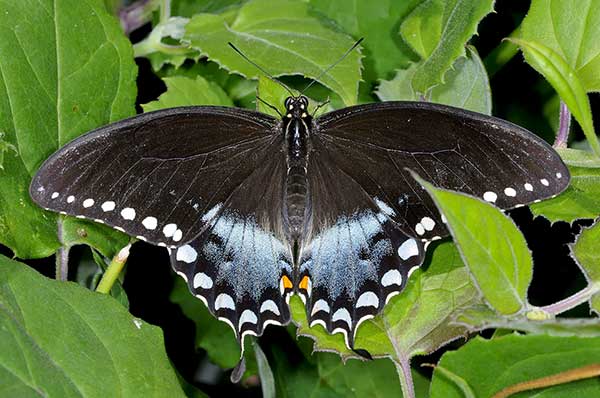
x=296, y=127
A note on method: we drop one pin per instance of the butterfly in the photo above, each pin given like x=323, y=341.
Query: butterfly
x=254, y=208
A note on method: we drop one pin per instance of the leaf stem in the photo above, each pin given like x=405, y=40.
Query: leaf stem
x=562, y=135
x=165, y=10
x=461, y=383
x=404, y=374
x=573, y=301
x=114, y=269
x=62, y=255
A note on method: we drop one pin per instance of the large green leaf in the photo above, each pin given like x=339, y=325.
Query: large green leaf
x=66, y=68
x=582, y=198
x=570, y=28
x=491, y=245
x=183, y=91
x=385, y=51
x=188, y=8
x=58, y=339
x=283, y=38
x=438, y=30
x=491, y=365
x=466, y=86
x=586, y=251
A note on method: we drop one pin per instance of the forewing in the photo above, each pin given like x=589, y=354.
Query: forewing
x=241, y=266
x=455, y=149
x=160, y=176
x=355, y=256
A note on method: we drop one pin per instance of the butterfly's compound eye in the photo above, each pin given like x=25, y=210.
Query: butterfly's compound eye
x=288, y=103
x=303, y=102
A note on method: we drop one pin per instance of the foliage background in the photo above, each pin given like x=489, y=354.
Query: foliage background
x=67, y=67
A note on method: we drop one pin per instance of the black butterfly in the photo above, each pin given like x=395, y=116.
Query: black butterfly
x=255, y=209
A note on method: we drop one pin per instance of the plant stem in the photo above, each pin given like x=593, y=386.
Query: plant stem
x=562, y=136
x=573, y=301
x=500, y=55
x=114, y=269
x=62, y=255
x=148, y=46
x=165, y=10
x=405, y=376
x=137, y=14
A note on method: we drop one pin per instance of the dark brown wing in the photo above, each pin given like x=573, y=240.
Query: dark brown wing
x=205, y=181
x=453, y=148
x=160, y=176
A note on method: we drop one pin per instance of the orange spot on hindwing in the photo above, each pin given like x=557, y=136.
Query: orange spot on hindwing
x=287, y=283
x=304, y=282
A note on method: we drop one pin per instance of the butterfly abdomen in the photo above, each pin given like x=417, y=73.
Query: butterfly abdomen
x=296, y=196
x=296, y=184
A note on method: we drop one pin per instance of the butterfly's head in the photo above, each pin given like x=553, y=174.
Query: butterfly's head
x=296, y=107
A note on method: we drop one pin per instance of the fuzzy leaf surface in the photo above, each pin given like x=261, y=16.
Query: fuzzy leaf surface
x=66, y=68
x=58, y=339
x=282, y=37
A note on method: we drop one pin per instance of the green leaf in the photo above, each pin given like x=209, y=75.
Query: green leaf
x=578, y=158
x=113, y=6
x=384, y=51
x=5, y=147
x=267, y=382
x=570, y=29
x=66, y=68
x=585, y=251
x=183, y=91
x=326, y=376
x=458, y=381
x=565, y=81
x=282, y=37
x=438, y=30
x=466, y=86
x=58, y=339
x=273, y=94
x=582, y=198
x=491, y=365
x=101, y=237
x=188, y=8
x=491, y=245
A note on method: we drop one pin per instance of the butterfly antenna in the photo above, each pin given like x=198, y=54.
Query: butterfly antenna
x=334, y=64
x=260, y=69
x=269, y=105
x=319, y=107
